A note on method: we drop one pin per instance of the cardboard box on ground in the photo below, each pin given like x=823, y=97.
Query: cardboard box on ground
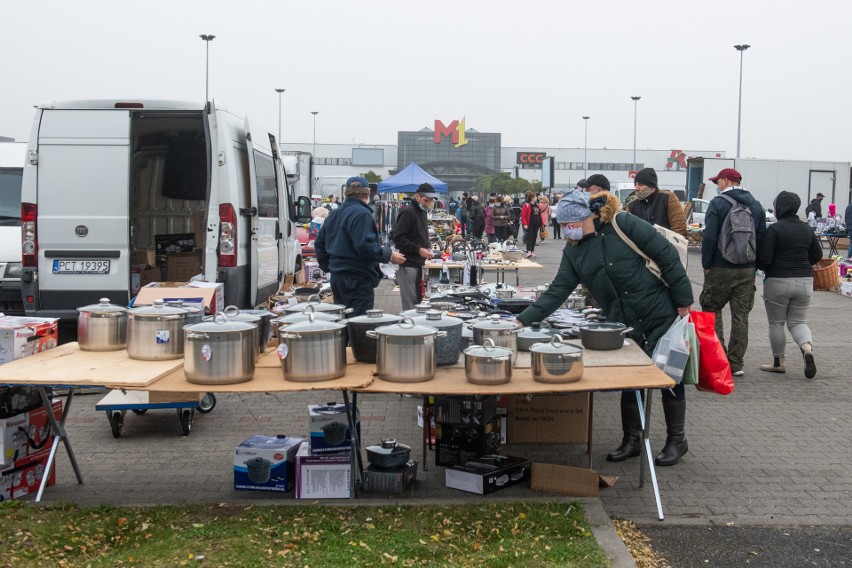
x=326, y=476
x=549, y=419
x=26, y=433
x=24, y=476
x=266, y=463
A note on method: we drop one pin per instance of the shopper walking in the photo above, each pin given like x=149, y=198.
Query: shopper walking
x=531, y=221
x=500, y=215
x=476, y=215
x=544, y=208
x=786, y=255
x=411, y=238
x=557, y=233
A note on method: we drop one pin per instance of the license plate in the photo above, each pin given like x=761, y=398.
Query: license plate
x=81, y=266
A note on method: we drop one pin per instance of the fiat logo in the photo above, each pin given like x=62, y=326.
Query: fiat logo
x=81, y=230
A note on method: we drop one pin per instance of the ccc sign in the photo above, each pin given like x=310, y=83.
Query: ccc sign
x=531, y=159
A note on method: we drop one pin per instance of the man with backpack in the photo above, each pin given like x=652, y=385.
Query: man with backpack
x=733, y=228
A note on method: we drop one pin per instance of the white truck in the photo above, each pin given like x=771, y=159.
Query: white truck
x=11, y=174
x=105, y=180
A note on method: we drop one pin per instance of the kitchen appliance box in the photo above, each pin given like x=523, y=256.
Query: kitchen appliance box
x=467, y=409
x=26, y=433
x=458, y=443
x=549, y=419
x=266, y=463
x=24, y=336
x=396, y=480
x=330, y=416
x=488, y=474
x=327, y=476
x=312, y=272
x=23, y=476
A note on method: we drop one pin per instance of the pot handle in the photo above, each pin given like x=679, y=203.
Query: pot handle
x=314, y=298
x=441, y=334
x=556, y=340
x=371, y=333
x=488, y=344
x=626, y=331
x=231, y=311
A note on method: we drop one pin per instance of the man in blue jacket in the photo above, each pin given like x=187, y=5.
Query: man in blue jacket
x=348, y=247
x=725, y=282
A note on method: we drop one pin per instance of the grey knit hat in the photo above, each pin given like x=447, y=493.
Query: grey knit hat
x=573, y=207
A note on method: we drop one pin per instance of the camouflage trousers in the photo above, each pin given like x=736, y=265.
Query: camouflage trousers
x=735, y=286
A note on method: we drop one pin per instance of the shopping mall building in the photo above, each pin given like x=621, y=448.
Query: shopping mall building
x=459, y=155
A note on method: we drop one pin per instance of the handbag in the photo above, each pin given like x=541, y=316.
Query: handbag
x=543, y=233
x=673, y=238
x=714, y=371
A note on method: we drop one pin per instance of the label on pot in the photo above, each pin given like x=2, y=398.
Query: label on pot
x=282, y=351
x=162, y=335
x=206, y=352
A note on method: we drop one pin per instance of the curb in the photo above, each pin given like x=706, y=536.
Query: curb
x=606, y=535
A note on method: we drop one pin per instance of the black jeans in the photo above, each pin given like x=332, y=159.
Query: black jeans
x=353, y=291
x=532, y=235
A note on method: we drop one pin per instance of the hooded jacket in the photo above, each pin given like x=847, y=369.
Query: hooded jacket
x=617, y=278
x=789, y=248
x=713, y=219
x=412, y=233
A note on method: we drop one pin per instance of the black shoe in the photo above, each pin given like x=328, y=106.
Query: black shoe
x=631, y=446
x=631, y=425
x=810, y=365
x=676, y=446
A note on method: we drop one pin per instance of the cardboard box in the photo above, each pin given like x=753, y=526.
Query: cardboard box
x=143, y=257
x=24, y=476
x=458, y=443
x=395, y=480
x=846, y=289
x=549, y=419
x=266, y=463
x=24, y=336
x=323, y=477
x=324, y=423
x=488, y=474
x=26, y=433
x=311, y=272
x=565, y=480
x=181, y=266
x=472, y=409
x=210, y=295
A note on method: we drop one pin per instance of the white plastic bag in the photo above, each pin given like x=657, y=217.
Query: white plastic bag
x=671, y=353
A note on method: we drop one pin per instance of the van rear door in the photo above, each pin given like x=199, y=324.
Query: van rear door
x=83, y=208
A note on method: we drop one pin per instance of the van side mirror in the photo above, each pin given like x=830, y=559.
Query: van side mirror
x=303, y=209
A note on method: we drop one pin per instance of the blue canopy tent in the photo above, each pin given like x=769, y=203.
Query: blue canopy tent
x=409, y=179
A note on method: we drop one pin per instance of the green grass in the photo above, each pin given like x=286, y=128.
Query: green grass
x=492, y=535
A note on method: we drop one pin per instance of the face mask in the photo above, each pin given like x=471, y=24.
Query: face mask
x=574, y=234
x=644, y=193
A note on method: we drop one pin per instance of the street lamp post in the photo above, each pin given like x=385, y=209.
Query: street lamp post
x=315, y=113
x=585, y=145
x=741, y=48
x=279, y=91
x=207, y=39
x=635, y=105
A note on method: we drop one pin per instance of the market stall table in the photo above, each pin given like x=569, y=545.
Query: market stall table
x=832, y=239
x=490, y=264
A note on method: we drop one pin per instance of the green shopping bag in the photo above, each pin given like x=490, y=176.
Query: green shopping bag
x=690, y=374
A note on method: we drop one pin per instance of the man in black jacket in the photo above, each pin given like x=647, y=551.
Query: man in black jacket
x=816, y=205
x=411, y=238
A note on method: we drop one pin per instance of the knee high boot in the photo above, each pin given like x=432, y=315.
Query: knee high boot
x=631, y=424
x=676, y=446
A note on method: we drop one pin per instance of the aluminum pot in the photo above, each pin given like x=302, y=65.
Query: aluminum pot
x=312, y=351
x=363, y=347
x=318, y=306
x=537, y=332
x=556, y=362
x=264, y=326
x=155, y=332
x=102, y=327
x=233, y=313
x=194, y=314
x=448, y=347
x=389, y=454
x=405, y=352
x=503, y=333
x=488, y=365
x=603, y=336
x=219, y=351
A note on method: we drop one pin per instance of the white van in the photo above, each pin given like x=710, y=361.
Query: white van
x=106, y=180
x=11, y=173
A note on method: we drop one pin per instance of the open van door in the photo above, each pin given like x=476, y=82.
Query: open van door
x=264, y=226
x=288, y=246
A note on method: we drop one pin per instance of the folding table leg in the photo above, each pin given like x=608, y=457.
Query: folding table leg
x=355, y=467
x=645, y=452
x=59, y=434
x=591, y=421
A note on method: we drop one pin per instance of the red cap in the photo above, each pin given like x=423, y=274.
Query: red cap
x=729, y=174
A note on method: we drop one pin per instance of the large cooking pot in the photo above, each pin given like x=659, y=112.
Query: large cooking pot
x=155, y=332
x=449, y=346
x=102, y=327
x=405, y=352
x=194, y=314
x=556, y=362
x=312, y=351
x=603, y=336
x=233, y=313
x=488, y=365
x=218, y=351
x=503, y=333
x=389, y=454
x=537, y=332
x=419, y=309
x=363, y=347
x=264, y=326
x=318, y=306
x=296, y=317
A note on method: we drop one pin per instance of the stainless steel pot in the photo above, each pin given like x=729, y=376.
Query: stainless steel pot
x=102, y=327
x=405, y=352
x=448, y=347
x=233, y=313
x=296, y=317
x=312, y=351
x=363, y=347
x=389, y=454
x=155, y=332
x=219, y=352
x=603, y=336
x=194, y=314
x=556, y=362
x=502, y=333
x=264, y=326
x=538, y=332
x=488, y=365
x=419, y=309
x=318, y=306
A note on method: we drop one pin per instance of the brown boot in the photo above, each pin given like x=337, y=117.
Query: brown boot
x=777, y=365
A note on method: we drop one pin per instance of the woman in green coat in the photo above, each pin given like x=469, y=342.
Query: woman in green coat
x=627, y=292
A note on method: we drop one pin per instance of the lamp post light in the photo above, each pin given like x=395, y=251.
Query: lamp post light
x=315, y=113
x=279, y=91
x=635, y=105
x=585, y=145
x=207, y=39
x=741, y=48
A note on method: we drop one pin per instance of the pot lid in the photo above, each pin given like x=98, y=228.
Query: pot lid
x=178, y=303
x=537, y=331
x=376, y=317
x=488, y=350
x=103, y=307
x=219, y=323
x=316, y=305
x=389, y=447
x=555, y=345
x=492, y=323
x=304, y=316
x=233, y=313
x=313, y=325
x=406, y=328
x=158, y=308
x=437, y=318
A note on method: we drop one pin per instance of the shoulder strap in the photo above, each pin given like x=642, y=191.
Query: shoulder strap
x=623, y=236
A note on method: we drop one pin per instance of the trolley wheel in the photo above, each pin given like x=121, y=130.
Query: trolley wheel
x=116, y=421
x=207, y=403
x=139, y=411
x=185, y=415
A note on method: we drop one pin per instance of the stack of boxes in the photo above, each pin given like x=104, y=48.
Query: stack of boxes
x=25, y=442
x=324, y=464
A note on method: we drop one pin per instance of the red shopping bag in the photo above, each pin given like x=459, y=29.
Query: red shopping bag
x=714, y=371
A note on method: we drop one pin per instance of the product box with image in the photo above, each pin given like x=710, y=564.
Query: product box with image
x=457, y=443
x=24, y=475
x=266, y=463
x=328, y=428
x=466, y=409
x=383, y=480
x=325, y=476
x=488, y=474
x=312, y=272
x=24, y=336
x=26, y=433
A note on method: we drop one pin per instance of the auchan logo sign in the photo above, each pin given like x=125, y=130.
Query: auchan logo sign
x=455, y=132
x=529, y=160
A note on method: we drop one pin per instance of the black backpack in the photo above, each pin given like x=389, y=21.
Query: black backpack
x=737, y=238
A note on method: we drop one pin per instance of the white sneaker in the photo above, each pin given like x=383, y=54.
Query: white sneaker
x=739, y=373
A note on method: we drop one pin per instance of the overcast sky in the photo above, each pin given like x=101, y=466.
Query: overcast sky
x=529, y=70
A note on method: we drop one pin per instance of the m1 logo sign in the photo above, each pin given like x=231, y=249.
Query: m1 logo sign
x=455, y=132
x=529, y=160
